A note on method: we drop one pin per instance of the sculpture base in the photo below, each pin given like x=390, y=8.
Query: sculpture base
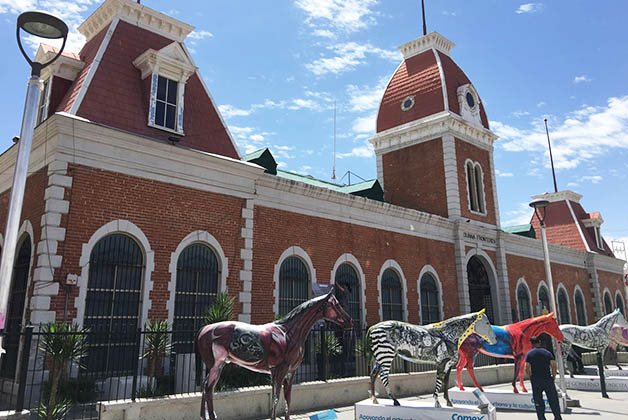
x=611, y=371
x=417, y=410
x=592, y=383
x=502, y=399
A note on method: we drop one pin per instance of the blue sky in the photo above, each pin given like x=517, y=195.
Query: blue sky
x=276, y=67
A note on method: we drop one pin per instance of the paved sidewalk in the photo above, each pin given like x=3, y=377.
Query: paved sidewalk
x=593, y=406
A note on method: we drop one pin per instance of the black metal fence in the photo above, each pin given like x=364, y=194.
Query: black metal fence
x=146, y=364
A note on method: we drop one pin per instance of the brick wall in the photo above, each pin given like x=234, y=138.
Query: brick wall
x=466, y=151
x=614, y=283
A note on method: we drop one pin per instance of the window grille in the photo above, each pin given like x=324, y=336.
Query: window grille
x=544, y=299
x=17, y=298
x=430, y=300
x=619, y=303
x=523, y=299
x=563, y=307
x=294, y=281
x=166, y=103
x=347, y=276
x=198, y=274
x=608, y=303
x=113, y=303
x=580, y=314
x=392, y=307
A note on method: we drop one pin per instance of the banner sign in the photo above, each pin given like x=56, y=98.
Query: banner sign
x=592, y=371
x=500, y=399
x=592, y=383
x=417, y=410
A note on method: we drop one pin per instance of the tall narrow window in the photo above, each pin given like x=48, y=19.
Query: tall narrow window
x=392, y=307
x=619, y=303
x=42, y=111
x=544, y=299
x=479, y=186
x=608, y=303
x=581, y=318
x=430, y=300
x=473, y=198
x=523, y=301
x=475, y=187
x=598, y=238
x=113, y=302
x=294, y=284
x=166, y=103
x=563, y=307
x=197, y=285
x=347, y=277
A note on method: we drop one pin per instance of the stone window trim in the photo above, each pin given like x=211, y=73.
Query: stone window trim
x=348, y=258
x=205, y=238
x=404, y=289
x=44, y=100
x=540, y=286
x=578, y=291
x=621, y=299
x=522, y=283
x=428, y=269
x=561, y=287
x=293, y=251
x=173, y=63
x=469, y=113
x=476, y=193
x=127, y=228
x=607, y=293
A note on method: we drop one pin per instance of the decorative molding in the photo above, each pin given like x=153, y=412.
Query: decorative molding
x=433, y=40
x=404, y=289
x=594, y=222
x=135, y=14
x=443, y=82
x=67, y=66
x=199, y=236
x=471, y=114
x=293, y=251
x=171, y=62
x=428, y=269
x=348, y=258
x=559, y=196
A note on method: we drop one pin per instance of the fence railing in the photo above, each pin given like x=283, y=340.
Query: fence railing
x=146, y=364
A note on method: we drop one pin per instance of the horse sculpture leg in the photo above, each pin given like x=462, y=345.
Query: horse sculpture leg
x=287, y=392
x=472, y=374
x=522, y=366
x=383, y=366
x=600, y=367
x=446, y=390
x=277, y=376
x=374, y=373
x=208, y=389
x=440, y=378
x=462, y=362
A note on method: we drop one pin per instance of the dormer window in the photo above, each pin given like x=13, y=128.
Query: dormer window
x=44, y=100
x=469, y=103
x=598, y=238
x=594, y=222
x=166, y=103
x=475, y=187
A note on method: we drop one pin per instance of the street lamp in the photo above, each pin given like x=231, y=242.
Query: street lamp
x=47, y=26
x=540, y=208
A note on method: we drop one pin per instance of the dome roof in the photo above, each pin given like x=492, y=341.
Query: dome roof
x=425, y=83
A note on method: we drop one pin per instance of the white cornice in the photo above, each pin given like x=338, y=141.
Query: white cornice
x=593, y=222
x=65, y=67
x=136, y=14
x=425, y=43
x=559, y=196
x=171, y=62
x=606, y=263
x=431, y=127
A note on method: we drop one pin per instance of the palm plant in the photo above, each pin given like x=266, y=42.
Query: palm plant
x=62, y=343
x=56, y=412
x=156, y=345
x=220, y=310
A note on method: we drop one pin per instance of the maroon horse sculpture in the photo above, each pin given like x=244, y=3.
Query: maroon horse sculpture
x=275, y=348
x=513, y=342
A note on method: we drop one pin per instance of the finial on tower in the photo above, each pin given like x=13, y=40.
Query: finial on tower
x=424, y=25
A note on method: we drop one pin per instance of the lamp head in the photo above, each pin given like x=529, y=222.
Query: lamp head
x=539, y=203
x=43, y=25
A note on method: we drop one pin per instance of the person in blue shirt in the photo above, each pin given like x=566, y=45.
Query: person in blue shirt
x=541, y=369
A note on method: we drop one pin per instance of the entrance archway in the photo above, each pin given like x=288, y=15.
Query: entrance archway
x=480, y=295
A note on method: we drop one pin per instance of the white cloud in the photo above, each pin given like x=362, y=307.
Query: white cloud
x=256, y=138
x=229, y=111
x=340, y=15
x=594, y=179
x=503, y=174
x=529, y=8
x=304, y=104
x=348, y=56
x=581, y=79
x=323, y=33
x=365, y=124
x=577, y=137
x=200, y=35
x=365, y=151
x=519, y=114
x=449, y=13
x=541, y=104
x=366, y=98
x=519, y=216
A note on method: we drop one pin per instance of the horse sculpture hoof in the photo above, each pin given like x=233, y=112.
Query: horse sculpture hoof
x=374, y=400
x=515, y=390
x=437, y=404
x=449, y=404
x=395, y=402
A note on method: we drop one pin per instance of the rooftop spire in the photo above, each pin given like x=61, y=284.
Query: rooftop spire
x=424, y=25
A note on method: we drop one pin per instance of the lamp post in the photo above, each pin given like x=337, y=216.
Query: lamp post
x=47, y=26
x=540, y=207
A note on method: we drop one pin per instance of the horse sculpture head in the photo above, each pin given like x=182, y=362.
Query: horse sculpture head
x=550, y=326
x=480, y=326
x=334, y=312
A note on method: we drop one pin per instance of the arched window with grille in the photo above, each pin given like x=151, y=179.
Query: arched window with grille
x=523, y=302
x=581, y=317
x=113, y=303
x=608, y=302
x=347, y=277
x=544, y=298
x=15, y=310
x=563, y=307
x=294, y=284
x=619, y=303
x=392, y=306
x=475, y=186
x=430, y=300
x=198, y=275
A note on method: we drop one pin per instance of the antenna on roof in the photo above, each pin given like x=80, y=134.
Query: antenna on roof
x=423, y=9
x=333, y=173
x=549, y=143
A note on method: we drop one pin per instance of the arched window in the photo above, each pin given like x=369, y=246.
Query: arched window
x=580, y=313
x=619, y=303
x=347, y=277
x=294, y=282
x=563, y=307
x=15, y=312
x=608, y=303
x=475, y=187
x=544, y=299
x=523, y=301
x=113, y=303
x=392, y=307
x=430, y=300
x=198, y=274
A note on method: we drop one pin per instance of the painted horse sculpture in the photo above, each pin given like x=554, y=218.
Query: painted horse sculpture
x=513, y=342
x=592, y=337
x=436, y=343
x=275, y=348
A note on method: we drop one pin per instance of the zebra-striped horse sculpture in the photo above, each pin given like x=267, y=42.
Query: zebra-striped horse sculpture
x=593, y=337
x=438, y=343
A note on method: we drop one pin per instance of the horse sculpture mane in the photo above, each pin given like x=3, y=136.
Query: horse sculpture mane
x=298, y=310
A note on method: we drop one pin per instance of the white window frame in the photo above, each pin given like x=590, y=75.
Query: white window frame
x=348, y=258
x=44, y=101
x=473, y=192
x=598, y=237
x=558, y=289
x=522, y=283
x=428, y=269
x=293, y=251
x=404, y=289
x=179, y=105
x=577, y=290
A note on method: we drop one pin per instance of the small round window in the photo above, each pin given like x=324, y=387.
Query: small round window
x=470, y=100
x=407, y=103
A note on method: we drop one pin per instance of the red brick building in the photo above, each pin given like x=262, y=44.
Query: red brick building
x=139, y=206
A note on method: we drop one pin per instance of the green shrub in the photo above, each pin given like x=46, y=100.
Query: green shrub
x=220, y=310
x=79, y=390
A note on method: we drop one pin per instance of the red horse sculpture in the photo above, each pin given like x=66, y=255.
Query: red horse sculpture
x=275, y=348
x=513, y=342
